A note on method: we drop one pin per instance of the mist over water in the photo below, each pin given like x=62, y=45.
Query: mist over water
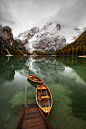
x=64, y=76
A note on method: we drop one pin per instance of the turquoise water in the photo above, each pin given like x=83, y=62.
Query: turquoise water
x=66, y=79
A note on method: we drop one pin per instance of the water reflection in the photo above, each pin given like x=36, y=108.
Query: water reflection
x=65, y=77
x=42, y=67
x=33, y=84
x=8, y=66
x=45, y=68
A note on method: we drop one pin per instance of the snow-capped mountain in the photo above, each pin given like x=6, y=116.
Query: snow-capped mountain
x=52, y=36
x=28, y=34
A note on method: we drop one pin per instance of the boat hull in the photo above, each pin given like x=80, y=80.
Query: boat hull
x=35, y=80
x=44, y=99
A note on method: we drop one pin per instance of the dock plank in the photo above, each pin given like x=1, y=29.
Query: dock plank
x=32, y=119
x=37, y=127
x=32, y=116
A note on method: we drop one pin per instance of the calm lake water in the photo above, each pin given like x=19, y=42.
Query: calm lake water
x=66, y=79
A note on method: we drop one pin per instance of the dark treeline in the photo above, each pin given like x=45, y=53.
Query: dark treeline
x=78, y=47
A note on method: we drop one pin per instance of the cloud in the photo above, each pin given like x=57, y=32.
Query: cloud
x=5, y=13
x=72, y=14
x=21, y=15
x=1, y=32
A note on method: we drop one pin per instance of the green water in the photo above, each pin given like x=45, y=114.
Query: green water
x=66, y=79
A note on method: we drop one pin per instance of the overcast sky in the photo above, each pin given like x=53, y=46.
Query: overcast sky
x=21, y=15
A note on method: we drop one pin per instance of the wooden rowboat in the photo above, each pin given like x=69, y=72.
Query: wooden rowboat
x=35, y=79
x=44, y=99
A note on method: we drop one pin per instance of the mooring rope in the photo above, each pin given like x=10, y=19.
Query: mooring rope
x=25, y=100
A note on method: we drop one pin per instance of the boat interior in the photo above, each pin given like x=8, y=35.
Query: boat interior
x=35, y=78
x=44, y=97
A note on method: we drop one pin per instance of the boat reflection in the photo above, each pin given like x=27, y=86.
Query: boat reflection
x=33, y=84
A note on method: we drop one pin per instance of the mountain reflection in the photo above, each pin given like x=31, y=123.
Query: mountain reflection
x=44, y=66
x=51, y=69
x=47, y=68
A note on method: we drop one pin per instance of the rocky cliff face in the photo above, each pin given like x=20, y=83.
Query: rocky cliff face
x=52, y=36
x=28, y=34
x=47, y=43
x=46, y=38
x=8, y=44
x=7, y=32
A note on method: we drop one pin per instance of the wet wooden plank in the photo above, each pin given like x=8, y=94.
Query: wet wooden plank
x=31, y=111
x=26, y=118
x=32, y=116
x=36, y=127
x=32, y=120
x=33, y=124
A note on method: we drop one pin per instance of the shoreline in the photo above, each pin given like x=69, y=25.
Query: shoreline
x=84, y=56
x=9, y=55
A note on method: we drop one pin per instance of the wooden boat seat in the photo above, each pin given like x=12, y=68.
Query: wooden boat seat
x=43, y=88
x=44, y=97
x=30, y=76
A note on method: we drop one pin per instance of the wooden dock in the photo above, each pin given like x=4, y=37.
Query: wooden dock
x=33, y=118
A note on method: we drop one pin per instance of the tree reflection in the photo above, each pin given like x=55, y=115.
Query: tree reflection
x=40, y=66
x=77, y=64
x=8, y=65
